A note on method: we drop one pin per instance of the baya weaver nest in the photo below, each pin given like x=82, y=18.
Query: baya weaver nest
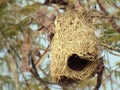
x=74, y=48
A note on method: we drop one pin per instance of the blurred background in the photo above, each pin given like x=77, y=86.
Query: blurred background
x=26, y=29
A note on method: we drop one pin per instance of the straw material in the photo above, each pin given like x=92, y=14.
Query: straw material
x=74, y=48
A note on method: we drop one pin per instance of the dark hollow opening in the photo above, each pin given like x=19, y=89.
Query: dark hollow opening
x=76, y=63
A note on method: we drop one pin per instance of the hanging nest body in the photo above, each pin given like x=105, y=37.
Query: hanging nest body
x=74, y=48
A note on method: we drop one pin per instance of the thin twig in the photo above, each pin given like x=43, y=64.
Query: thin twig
x=114, y=53
x=11, y=46
x=108, y=76
x=109, y=47
x=47, y=49
x=15, y=53
x=104, y=16
x=27, y=84
x=43, y=71
x=101, y=4
x=36, y=75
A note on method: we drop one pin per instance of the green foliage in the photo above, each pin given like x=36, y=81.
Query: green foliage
x=109, y=34
x=111, y=37
x=29, y=9
x=88, y=82
x=5, y=78
x=117, y=73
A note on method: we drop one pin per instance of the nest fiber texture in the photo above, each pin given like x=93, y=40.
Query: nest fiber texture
x=74, y=48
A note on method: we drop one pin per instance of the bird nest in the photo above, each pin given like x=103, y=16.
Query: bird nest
x=74, y=48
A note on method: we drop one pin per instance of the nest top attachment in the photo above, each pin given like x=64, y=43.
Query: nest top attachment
x=74, y=48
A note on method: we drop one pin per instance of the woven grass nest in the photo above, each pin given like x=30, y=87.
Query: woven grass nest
x=74, y=48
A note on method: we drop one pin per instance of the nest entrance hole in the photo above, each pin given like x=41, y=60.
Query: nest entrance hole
x=76, y=63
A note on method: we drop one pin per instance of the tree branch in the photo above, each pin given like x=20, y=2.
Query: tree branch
x=110, y=47
x=101, y=4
